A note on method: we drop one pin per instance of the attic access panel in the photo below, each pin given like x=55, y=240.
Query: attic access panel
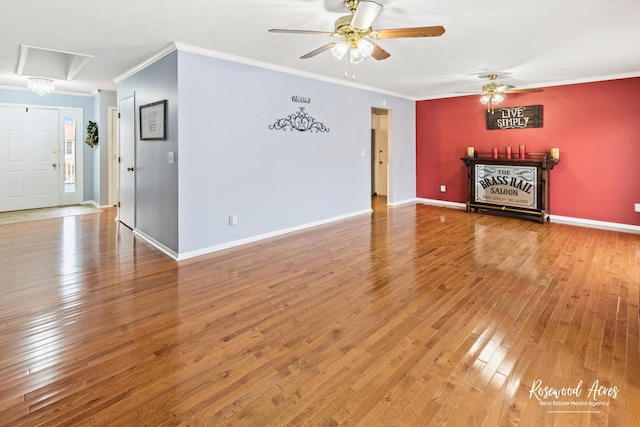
x=54, y=64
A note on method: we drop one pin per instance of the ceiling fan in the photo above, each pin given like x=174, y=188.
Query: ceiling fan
x=357, y=36
x=494, y=93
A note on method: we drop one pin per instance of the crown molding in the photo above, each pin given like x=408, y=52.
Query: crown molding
x=183, y=47
x=594, y=79
x=171, y=47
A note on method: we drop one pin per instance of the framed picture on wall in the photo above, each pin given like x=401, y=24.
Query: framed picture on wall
x=153, y=120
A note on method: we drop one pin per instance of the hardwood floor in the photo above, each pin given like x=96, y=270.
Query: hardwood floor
x=411, y=316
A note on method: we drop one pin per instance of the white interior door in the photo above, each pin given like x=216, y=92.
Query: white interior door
x=382, y=155
x=29, y=158
x=127, y=177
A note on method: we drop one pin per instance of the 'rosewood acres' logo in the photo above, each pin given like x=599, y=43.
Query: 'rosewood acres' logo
x=567, y=399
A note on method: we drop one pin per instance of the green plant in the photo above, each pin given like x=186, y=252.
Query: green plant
x=92, y=134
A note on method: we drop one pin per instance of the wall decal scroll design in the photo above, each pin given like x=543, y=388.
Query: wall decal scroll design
x=300, y=121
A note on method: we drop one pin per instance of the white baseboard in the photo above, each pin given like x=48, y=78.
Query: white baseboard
x=590, y=223
x=228, y=245
x=153, y=242
x=442, y=203
x=403, y=202
x=614, y=226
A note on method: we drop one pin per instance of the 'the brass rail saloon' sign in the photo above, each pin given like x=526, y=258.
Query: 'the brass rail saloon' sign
x=514, y=186
x=506, y=185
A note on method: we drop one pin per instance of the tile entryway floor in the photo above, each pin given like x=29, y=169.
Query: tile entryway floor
x=46, y=213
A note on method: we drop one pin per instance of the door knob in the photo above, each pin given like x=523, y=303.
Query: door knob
x=54, y=165
x=130, y=169
x=380, y=162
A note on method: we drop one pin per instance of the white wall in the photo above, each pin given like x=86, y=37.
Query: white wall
x=156, y=190
x=230, y=163
x=102, y=101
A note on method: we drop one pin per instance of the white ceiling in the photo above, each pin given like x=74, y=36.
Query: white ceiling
x=532, y=43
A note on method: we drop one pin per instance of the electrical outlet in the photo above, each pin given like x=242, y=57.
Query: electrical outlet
x=636, y=207
x=443, y=188
x=233, y=220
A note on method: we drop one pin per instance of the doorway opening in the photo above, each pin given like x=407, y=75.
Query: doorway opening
x=380, y=156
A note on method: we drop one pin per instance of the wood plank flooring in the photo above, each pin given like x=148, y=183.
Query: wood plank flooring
x=411, y=316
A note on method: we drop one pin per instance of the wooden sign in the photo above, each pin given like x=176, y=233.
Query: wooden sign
x=506, y=185
x=515, y=118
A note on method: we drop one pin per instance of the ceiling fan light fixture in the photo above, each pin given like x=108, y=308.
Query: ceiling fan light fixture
x=355, y=57
x=357, y=36
x=365, y=47
x=339, y=50
x=492, y=98
x=497, y=98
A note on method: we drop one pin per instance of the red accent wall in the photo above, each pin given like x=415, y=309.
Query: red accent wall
x=595, y=125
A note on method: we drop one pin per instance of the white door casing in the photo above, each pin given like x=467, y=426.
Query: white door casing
x=113, y=156
x=380, y=155
x=383, y=154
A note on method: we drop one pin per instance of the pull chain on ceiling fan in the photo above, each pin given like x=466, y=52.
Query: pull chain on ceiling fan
x=357, y=35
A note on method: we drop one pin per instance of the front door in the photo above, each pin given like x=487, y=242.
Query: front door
x=127, y=176
x=29, y=158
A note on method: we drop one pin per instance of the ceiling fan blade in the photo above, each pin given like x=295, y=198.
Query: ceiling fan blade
x=523, y=90
x=322, y=33
x=396, y=33
x=502, y=88
x=319, y=50
x=334, y=5
x=379, y=53
x=365, y=13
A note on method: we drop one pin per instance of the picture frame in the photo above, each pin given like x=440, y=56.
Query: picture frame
x=153, y=120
